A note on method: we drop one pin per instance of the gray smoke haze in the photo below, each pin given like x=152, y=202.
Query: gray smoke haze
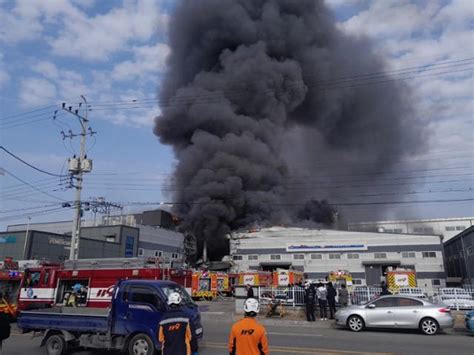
x=253, y=110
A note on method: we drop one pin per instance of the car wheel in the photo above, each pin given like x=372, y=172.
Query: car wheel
x=429, y=326
x=355, y=323
x=141, y=344
x=56, y=345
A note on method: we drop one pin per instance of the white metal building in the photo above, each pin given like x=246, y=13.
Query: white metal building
x=446, y=227
x=317, y=252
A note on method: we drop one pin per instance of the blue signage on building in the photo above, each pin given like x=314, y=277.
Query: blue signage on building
x=9, y=239
x=129, y=243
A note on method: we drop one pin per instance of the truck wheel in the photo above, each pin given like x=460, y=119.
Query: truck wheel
x=56, y=345
x=141, y=344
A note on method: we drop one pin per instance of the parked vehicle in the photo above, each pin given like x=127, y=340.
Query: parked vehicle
x=396, y=312
x=456, y=298
x=469, y=319
x=131, y=325
x=49, y=285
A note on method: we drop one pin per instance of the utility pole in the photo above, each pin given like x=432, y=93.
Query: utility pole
x=77, y=167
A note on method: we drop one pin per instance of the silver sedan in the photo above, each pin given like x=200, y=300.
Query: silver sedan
x=396, y=312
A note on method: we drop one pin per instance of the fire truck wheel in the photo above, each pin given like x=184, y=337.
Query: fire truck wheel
x=56, y=345
x=141, y=344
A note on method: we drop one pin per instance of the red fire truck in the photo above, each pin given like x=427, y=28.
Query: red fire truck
x=10, y=278
x=89, y=281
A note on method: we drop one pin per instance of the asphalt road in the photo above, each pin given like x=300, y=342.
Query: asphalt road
x=295, y=339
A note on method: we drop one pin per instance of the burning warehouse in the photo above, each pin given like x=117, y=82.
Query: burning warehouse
x=367, y=257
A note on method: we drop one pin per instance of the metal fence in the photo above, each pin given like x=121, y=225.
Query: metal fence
x=454, y=298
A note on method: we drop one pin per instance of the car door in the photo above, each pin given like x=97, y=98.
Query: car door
x=144, y=308
x=407, y=312
x=379, y=313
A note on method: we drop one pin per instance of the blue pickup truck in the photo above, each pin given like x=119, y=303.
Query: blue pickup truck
x=129, y=325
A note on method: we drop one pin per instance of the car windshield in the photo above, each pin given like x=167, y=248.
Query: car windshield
x=184, y=295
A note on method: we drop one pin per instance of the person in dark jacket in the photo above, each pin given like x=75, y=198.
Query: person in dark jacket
x=176, y=332
x=310, y=301
x=385, y=290
x=331, y=300
x=249, y=291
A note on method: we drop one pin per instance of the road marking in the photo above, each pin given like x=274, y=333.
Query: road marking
x=297, y=334
x=205, y=312
x=295, y=350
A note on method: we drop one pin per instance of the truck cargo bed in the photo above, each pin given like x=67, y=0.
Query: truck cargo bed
x=90, y=320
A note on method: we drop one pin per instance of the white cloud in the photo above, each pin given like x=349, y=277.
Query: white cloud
x=97, y=37
x=37, y=92
x=147, y=60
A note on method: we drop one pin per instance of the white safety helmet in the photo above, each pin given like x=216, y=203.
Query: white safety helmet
x=251, y=305
x=174, y=298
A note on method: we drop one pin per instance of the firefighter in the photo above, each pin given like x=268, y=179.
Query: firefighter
x=176, y=333
x=247, y=336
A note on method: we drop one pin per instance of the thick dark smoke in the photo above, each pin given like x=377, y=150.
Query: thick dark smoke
x=253, y=107
x=318, y=211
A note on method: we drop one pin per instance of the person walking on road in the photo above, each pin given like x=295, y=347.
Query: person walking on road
x=247, y=336
x=331, y=300
x=322, y=293
x=310, y=301
x=176, y=333
x=343, y=296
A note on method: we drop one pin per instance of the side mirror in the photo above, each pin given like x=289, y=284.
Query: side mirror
x=371, y=306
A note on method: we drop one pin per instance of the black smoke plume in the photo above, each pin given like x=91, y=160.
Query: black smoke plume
x=262, y=97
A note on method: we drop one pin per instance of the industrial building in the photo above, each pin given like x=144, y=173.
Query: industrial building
x=156, y=239
x=459, y=258
x=367, y=256
x=445, y=227
x=95, y=242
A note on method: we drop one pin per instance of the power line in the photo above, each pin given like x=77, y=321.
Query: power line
x=28, y=164
x=33, y=187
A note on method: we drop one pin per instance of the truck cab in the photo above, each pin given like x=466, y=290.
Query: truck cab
x=131, y=324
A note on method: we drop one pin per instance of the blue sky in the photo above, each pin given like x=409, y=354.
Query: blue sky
x=115, y=51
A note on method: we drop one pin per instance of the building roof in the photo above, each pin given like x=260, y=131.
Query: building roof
x=460, y=235
x=412, y=221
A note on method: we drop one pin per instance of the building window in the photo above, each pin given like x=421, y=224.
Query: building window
x=275, y=257
x=408, y=254
x=380, y=255
x=436, y=282
x=141, y=252
x=352, y=256
x=252, y=257
x=357, y=282
x=334, y=256
x=460, y=228
x=298, y=256
x=237, y=257
x=429, y=254
x=158, y=253
x=316, y=256
x=450, y=228
x=174, y=256
x=423, y=230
